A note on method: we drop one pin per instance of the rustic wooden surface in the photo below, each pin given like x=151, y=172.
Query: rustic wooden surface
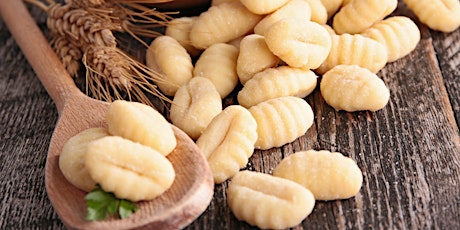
x=409, y=151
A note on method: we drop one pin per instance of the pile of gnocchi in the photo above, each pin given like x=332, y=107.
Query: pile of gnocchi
x=279, y=51
x=131, y=151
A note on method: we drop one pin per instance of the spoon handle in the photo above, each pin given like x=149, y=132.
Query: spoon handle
x=49, y=69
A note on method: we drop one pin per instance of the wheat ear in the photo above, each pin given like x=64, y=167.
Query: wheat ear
x=109, y=70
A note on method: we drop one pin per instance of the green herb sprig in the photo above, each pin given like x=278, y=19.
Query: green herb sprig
x=100, y=203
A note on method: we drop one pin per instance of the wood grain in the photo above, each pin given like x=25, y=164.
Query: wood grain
x=409, y=151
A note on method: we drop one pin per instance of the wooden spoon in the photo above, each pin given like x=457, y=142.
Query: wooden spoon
x=192, y=189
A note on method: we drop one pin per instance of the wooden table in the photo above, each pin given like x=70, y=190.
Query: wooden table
x=409, y=151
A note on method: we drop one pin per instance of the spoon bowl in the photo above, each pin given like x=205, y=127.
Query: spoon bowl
x=192, y=190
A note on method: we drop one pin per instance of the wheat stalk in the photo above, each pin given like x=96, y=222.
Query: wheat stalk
x=83, y=30
x=80, y=26
x=109, y=69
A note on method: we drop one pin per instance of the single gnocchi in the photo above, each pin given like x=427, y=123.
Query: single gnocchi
x=179, y=29
x=299, y=43
x=318, y=11
x=72, y=158
x=130, y=170
x=352, y=88
x=195, y=105
x=399, y=34
x=328, y=175
x=141, y=123
x=277, y=82
x=218, y=64
x=222, y=23
x=254, y=57
x=359, y=15
x=228, y=142
x=167, y=56
x=441, y=15
x=268, y=202
x=281, y=120
x=347, y=49
x=293, y=9
x=263, y=7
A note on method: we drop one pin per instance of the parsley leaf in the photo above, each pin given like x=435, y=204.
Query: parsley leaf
x=126, y=208
x=100, y=203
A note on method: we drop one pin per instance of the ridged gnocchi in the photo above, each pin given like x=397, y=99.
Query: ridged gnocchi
x=218, y=64
x=277, y=82
x=263, y=7
x=281, y=120
x=179, y=29
x=228, y=142
x=194, y=106
x=328, y=175
x=268, y=202
x=359, y=15
x=222, y=23
x=253, y=57
x=128, y=169
x=293, y=9
x=299, y=43
x=72, y=158
x=141, y=123
x=441, y=15
x=176, y=73
x=399, y=34
x=353, y=88
x=355, y=49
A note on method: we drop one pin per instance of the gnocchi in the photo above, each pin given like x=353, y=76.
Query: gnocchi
x=355, y=49
x=141, y=123
x=359, y=15
x=281, y=120
x=254, y=57
x=299, y=43
x=228, y=142
x=441, y=15
x=353, y=88
x=293, y=9
x=399, y=34
x=218, y=64
x=268, y=202
x=195, y=105
x=236, y=42
x=115, y=162
x=72, y=158
x=328, y=175
x=179, y=29
x=332, y=6
x=277, y=82
x=175, y=73
x=263, y=7
x=318, y=11
x=222, y=23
